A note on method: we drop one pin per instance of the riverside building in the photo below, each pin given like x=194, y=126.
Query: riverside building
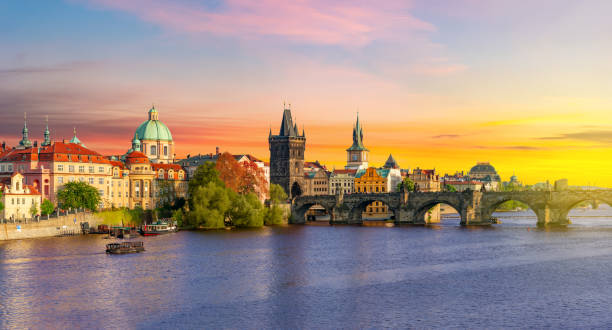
x=132, y=180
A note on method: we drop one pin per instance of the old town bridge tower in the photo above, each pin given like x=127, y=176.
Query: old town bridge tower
x=287, y=156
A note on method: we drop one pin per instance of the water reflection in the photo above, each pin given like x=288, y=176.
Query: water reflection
x=320, y=276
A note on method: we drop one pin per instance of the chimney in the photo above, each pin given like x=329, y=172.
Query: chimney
x=217, y=151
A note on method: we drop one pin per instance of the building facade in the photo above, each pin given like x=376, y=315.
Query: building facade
x=425, y=180
x=18, y=198
x=287, y=157
x=46, y=168
x=373, y=180
x=342, y=181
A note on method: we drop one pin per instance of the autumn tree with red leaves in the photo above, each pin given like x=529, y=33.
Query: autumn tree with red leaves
x=242, y=178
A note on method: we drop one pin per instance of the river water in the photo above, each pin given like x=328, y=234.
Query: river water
x=320, y=276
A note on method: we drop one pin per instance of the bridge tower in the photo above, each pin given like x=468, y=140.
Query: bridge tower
x=287, y=156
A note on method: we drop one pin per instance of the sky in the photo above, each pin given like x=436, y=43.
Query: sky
x=525, y=85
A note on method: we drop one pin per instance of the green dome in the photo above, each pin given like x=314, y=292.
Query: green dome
x=153, y=130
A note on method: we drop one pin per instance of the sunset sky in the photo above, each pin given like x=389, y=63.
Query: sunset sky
x=526, y=85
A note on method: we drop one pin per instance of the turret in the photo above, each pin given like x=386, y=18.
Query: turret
x=47, y=134
x=25, y=141
x=136, y=143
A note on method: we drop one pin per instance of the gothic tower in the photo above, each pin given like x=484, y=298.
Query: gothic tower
x=287, y=156
x=357, y=154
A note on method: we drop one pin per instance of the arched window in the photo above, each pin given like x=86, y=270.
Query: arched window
x=165, y=150
x=153, y=150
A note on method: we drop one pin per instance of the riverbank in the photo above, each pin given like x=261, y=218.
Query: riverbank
x=70, y=223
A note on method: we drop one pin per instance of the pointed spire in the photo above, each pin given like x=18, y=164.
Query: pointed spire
x=25, y=141
x=357, y=136
x=46, y=134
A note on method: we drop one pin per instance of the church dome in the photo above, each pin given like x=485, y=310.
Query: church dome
x=482, y=168
x=153, y=129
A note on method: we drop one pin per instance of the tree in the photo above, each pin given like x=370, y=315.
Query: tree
x=246, y=211
x=46, y=207
x=209, y=206
x=450, y=188
x=230, y=171
x=78, y=195
x=407, y=183
x=274, y=214
x=1, y=204
x=34, y=209
x=204, y=174
x=277, y=193
x=253, y=180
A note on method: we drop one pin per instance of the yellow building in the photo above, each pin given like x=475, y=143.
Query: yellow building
x=376, y=181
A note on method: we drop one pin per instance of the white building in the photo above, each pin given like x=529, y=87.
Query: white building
x=343, y=180
x=18, y=198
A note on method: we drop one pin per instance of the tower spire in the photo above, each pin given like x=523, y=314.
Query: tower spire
x=25, y=141
x=47, y=134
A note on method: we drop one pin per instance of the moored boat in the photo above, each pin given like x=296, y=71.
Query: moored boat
x=157, y=228
x=125, y=247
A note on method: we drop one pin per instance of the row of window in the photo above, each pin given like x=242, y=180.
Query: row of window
x=365, y=189
x=21, y=201
x=6, y=167
x=154, y=150
x=81, y=168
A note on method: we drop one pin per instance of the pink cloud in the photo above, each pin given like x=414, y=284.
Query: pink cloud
x=313, y=21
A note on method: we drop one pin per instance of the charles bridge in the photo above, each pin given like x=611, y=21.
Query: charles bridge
x=474, y=207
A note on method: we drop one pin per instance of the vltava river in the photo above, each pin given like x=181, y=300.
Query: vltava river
x=320, y=276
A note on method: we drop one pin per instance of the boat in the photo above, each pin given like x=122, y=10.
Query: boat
x=157, y=228
x=125, y=247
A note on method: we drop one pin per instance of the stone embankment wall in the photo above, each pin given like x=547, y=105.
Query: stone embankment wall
x=47, y=228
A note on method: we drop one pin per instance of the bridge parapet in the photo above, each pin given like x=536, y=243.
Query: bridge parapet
x=474, y=207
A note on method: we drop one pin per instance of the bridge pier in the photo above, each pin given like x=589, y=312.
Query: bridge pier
x=552, y=216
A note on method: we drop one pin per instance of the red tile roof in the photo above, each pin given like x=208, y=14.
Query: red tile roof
x=136, y=157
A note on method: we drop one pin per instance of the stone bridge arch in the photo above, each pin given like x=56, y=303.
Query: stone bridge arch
x=301, y=205
x=566, y=201
x=423, y=206
x=536, y=201
x=358, y=204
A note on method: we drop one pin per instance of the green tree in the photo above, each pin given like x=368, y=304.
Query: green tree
x=34, y=209
x=408, y=183
x=46, y=207
x=277, y=193
x=246, y=211
x=1, y=204
x=274, y=214
x=449, y=188
x=209, y=205
x=204, y=174
x=78, y=195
